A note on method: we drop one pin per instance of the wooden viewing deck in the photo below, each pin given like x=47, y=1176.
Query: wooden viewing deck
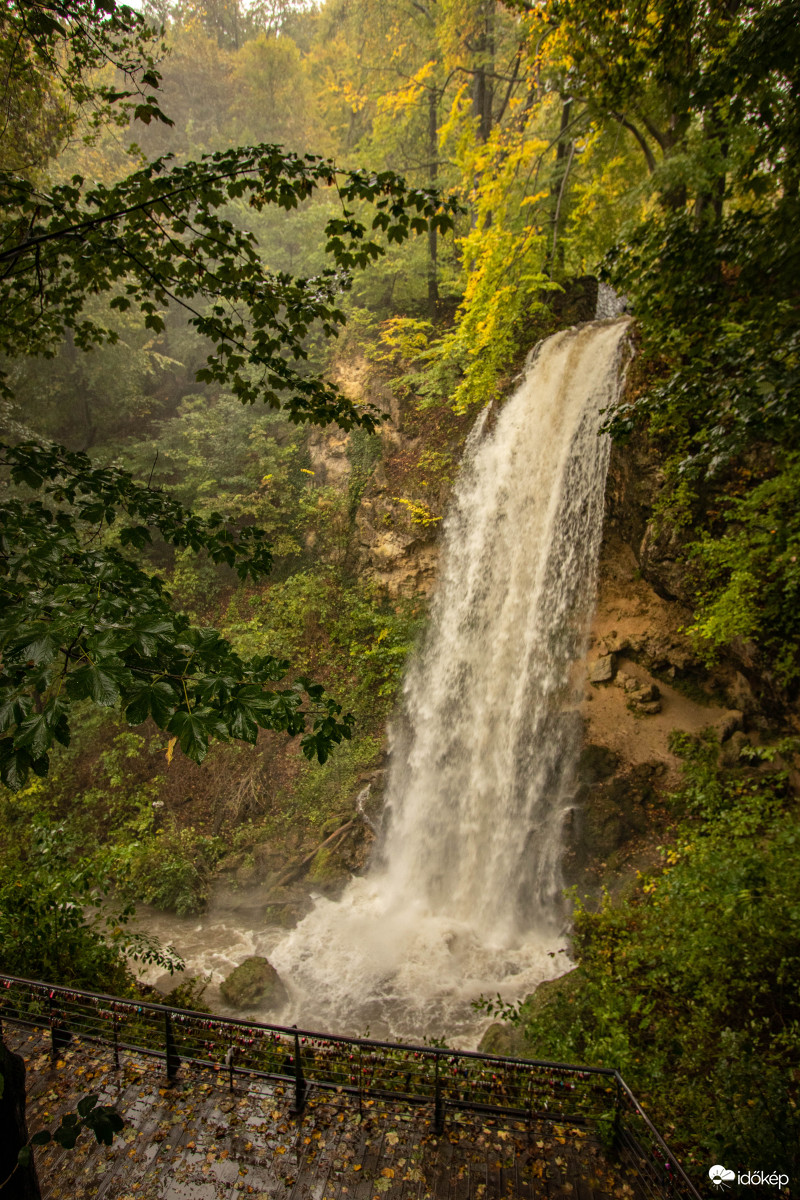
x=195, y=1139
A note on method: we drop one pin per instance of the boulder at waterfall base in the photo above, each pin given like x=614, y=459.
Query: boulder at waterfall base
x=602, y=669
x=255, y=981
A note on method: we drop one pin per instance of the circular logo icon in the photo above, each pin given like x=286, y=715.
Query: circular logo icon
x=720, y=1176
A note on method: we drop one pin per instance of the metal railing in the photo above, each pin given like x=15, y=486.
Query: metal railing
x=448, y=1081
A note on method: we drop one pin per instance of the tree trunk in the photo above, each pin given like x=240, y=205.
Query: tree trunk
x=675, y=198
x=564, y=153
x=483, y=81
x=433, y=171
x=716, y=137
x=16, y=1183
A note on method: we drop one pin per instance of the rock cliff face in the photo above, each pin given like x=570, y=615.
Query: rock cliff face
x=398, y=503
x=634, y=482
x=643, y=683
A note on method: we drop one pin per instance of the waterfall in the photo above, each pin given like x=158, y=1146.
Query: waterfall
x=465, y=896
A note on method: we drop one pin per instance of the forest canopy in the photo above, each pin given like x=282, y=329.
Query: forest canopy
x=79, y=622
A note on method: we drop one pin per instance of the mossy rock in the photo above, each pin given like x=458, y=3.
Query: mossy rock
x=596, y=763
x=504, y=1039
x=231, y=862
x=335, y=823
x=281, y=914
x=255, y=981
x=509, y=1040
x=246, y=874
x=327, y=871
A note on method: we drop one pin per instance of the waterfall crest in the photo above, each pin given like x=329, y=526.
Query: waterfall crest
x=466, y=895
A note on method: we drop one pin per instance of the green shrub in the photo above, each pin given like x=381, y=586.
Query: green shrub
x=170, y=869
x=340, y=631
x=692, y=986
x=320, y=793
x=752, y=574
x=55, y=923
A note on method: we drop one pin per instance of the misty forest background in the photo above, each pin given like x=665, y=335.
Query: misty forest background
x=655, y=143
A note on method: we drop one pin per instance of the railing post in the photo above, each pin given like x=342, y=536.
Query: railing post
x=115, y=1026
x=530, y=1100
x=229, y=1064
x=299, y=1081
x=615, y=1142
x=438, y=1102
x=360, y=1084
x=52, y=1020
x=173, y=1060
x=59, y=1035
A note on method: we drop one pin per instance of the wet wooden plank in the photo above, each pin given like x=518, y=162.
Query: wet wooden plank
x=196, y=1140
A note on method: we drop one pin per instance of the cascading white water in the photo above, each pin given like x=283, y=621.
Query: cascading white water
x=465, y=895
